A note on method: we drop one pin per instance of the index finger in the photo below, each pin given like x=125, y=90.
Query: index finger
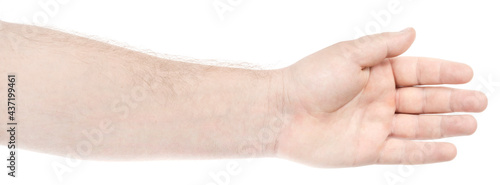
x=410, y=71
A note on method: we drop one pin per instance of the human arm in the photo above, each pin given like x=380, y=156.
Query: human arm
x=148, y=107
x=350, y=104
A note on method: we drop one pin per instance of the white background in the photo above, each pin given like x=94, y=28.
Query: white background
x=275, y=34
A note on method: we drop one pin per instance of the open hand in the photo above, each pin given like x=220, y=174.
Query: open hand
x=355, y=103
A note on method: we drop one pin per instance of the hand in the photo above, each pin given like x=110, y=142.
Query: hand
x=353, y=104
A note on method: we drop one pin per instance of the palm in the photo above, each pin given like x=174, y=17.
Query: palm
x=372, y=102
x=344, y=113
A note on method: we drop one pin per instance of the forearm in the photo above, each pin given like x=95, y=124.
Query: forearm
x=69, y=87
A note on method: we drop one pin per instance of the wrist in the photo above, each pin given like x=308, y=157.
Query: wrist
x=289, y=111
x=280, y=117
x=266, y=116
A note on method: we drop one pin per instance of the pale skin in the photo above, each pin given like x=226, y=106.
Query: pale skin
x=351, y=104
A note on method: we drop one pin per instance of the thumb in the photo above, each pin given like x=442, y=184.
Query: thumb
x=370, y=50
